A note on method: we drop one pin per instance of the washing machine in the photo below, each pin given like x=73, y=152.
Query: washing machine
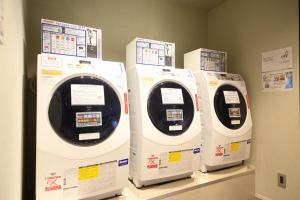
x=226, y=120
x=82, y=131
x=164, y=123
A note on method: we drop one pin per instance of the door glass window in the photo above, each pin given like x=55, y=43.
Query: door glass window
x=84, y=111
x=230, y=106
x=170, y=108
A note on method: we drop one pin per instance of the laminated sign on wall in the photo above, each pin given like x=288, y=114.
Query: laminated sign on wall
x=277, y=70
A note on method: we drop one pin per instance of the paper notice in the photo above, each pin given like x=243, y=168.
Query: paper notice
x=231, y=97
x=281, y=80
x=277, y=60
x=235, y=151
x=82, y=94
x=150, y=56
x=95, y=178
x=171, y=96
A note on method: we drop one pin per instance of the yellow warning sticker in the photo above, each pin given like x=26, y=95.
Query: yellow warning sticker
x=213, y=83
x=235, y=146
x=51, y=72
x=175, y=156
x=85, y=173
x=147, y=78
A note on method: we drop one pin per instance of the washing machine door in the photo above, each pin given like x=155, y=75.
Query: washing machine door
x=84, y=110
x=230, y=106
x=170, y=108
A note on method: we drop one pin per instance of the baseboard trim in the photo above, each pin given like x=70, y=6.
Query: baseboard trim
x=262, y=197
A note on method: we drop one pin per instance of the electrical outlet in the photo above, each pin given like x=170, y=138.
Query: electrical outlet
x=281, y=180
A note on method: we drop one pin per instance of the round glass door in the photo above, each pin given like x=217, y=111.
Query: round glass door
x=230, y=106
x=170, y=108
x=84, y=111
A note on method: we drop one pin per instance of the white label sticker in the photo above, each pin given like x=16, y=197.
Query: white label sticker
x=175, y=128
x=235, y=122
x=235, y=151
x=174, y=115
x=70, y=184
x=95, y=178
x=51, y=61
x=82, y=94
x=88, y=119
x=150, y=56
x=279, y=59
x=171, y=96
x=151, y=52
x=89, y=136
x=234, y=112
x=231, y=97
x=175, y=162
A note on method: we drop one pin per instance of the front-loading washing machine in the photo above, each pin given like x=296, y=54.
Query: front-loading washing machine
x=82, y=130
x=164, y=123
x=226, y=120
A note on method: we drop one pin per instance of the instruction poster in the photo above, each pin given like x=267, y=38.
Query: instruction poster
x=277, y=70
x=1, y=22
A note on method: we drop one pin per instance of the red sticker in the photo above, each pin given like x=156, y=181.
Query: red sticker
x=126, y=103
x=247, y=101
x=219, y=151
x=51, y=183
x=152, y=162
x=197, y=105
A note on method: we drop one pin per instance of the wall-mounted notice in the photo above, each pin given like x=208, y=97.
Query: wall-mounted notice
x=277, y=70
x=1, y=22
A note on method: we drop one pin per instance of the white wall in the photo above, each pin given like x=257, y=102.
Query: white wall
x=11, y=94
x=246, y=29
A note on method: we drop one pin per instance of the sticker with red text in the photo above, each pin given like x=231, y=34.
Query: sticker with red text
x=152, y=162
x=52, y=183
x=219, y=151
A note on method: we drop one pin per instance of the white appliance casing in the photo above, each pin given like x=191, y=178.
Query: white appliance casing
x=131, y=51
x=193, y=60
x=146, y=139
x=214, y=132
x=53, y=155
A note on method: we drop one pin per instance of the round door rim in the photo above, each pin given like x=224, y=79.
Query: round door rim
x=148, y=95
x=60, y=82
x=244, y=98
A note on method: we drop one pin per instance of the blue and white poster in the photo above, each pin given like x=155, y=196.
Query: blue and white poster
x=277, y=70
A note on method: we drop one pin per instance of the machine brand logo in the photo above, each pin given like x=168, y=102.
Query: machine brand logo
x=197, y=150
x=152, y=162
x=51, y=183
x=123, y=162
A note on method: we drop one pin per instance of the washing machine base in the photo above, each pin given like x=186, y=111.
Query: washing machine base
x=140, y=183
x=206, y=168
